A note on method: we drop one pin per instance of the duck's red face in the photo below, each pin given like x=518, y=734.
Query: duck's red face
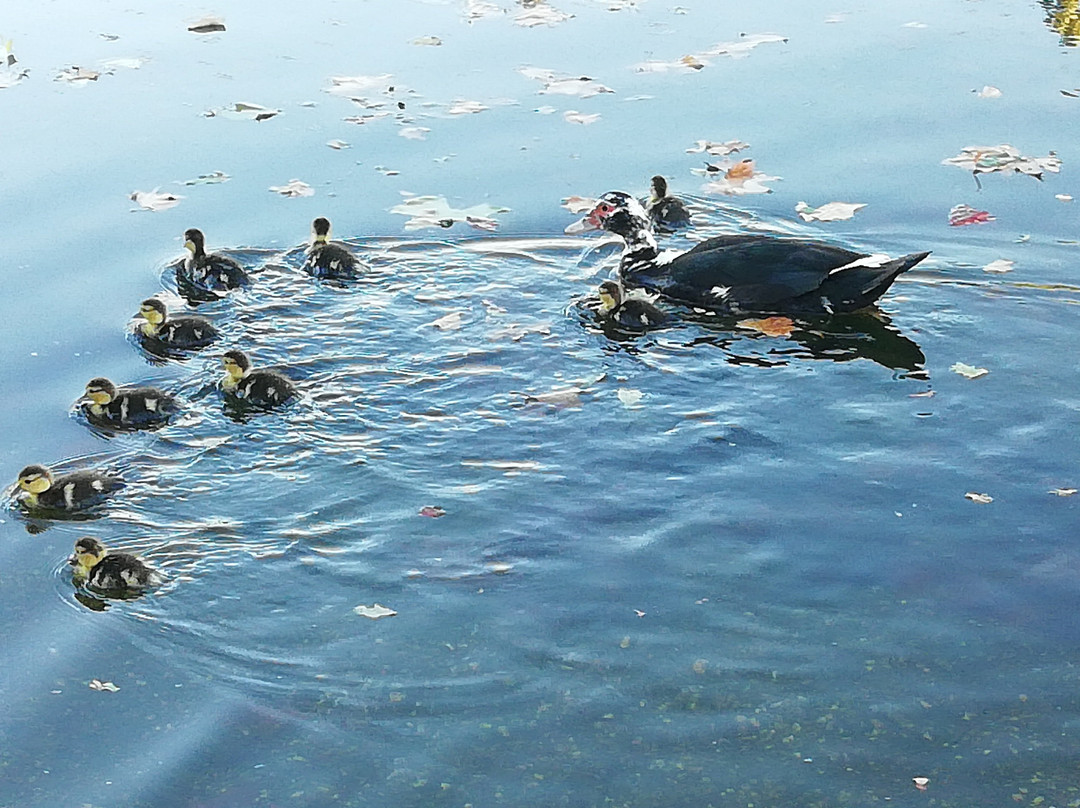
x=609, y=204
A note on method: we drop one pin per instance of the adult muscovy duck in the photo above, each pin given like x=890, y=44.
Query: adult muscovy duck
x=747, y=272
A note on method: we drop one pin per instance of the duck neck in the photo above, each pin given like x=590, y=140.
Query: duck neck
x=640, y=251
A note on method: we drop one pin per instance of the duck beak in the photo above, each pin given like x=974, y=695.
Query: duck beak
x=583, y=225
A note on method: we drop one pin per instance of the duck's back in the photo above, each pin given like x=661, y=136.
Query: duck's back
x=744, y=271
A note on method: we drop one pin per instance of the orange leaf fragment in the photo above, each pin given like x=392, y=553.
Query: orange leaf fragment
x=771, y=326
x=742, y=170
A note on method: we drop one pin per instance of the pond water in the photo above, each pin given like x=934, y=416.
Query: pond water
x=705, y=565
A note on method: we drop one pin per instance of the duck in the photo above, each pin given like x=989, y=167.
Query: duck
x=261, y=388
x=213, y=272
x=666, y=212
x=628, y=313
x=40, y=489
x=328, y=259
x=744, y=273
x=127, y=408
x=181, y=333
x=120, y=573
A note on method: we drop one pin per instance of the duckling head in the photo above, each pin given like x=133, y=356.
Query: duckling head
x=194, y=241
x=658, y=189
x=153, y=311
x=34, y=480
x=100, y=391
x=320, y=231
x=88, y=552
x=610, y=296
x=237, y=366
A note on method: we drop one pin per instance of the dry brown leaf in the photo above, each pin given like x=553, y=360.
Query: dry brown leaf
x=742, y=170
x=770, y=326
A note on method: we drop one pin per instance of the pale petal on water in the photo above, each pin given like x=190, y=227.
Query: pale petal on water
x=155, y=200
x=414, y=132
x=982, y=499
x=990, y=159
x=375, y=611
x=461, y=107
x=573, y=116
x=213, y=178
x=427, y=40
x=105, y=687
x=968, y=371
x=999, y=266
x=989, y=92
x=716, y=148
x=541, y=15
x=829, y=212
x=293, y=188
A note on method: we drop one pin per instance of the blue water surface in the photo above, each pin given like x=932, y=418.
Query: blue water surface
x=703, y=566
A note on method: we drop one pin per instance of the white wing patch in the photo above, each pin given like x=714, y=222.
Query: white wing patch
x=721, y=292
x=69, y=495
x=151, y=404
x=97, y=485
x=667, y=256
x=873, y=261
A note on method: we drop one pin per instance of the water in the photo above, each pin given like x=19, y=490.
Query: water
x=752, y=578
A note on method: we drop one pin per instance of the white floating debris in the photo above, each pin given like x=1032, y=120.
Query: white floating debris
x=155, y=200
x=1001, y=265
x=207, y=25
x=294, y=188
x=829, y=212
x=573, y=116
x=374, y=612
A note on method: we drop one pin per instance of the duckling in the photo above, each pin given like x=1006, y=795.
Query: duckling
x=263, y=388
x=76, y=491
x=110, y=572
x=213, y=272
x=130, y=408
x=329, y=259
x=666, y=212
x=183, y=333
x=629, y=313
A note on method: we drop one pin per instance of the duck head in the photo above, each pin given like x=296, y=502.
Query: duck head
x=195, y=242
x=100, y=392
x=619, y=213
x=320, y=231
x=610, y=296
x=236, y=365
x=153, y=311
x=34, y=480
x=88, y=552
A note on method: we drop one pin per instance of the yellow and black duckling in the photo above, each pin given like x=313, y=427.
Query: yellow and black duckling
x=39, y=489
x=260, y=388
x=329, y=259
x=666, y=212
x=120, y=573
x=177, y=333
x=628, y=313
x=208, y=272
x=127, y=408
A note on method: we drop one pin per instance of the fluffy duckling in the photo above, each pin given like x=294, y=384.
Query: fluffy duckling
x=630, y=313
x=128, y=408
x=665, y=211
x=329, y=259
x=76, y=491
x=209, y=272
x=99, y=569
x=183, y=333
x=262, y=388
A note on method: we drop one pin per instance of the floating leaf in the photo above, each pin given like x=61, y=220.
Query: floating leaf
x=770, y=326
x=77, y=75
x=541, y=15
x=630, y=398
x=573, y=116
x=466, y=108
x=580, y=86
x=350, y=86
x=374, y=612
x=449, y=322
x=1001, y=265
x=1063, y=197
x=744, y=179
x=207, y=25
x=982, y=499
x=829, y=212
x=212, y=178
x=242, y=110
x=968, y=371
x=427, y=40
x=962, y=215
x=920, y=782
x=294, y=188
x=579, y=204
x=132, y=63
x=717, y=149
x=432, y=511
x=988, y=159
x=435, y=211
x=742, y=170
x=1062, y=492
x=989, y=92
x=105, y=687
x=155, y=200
x=414, y=132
